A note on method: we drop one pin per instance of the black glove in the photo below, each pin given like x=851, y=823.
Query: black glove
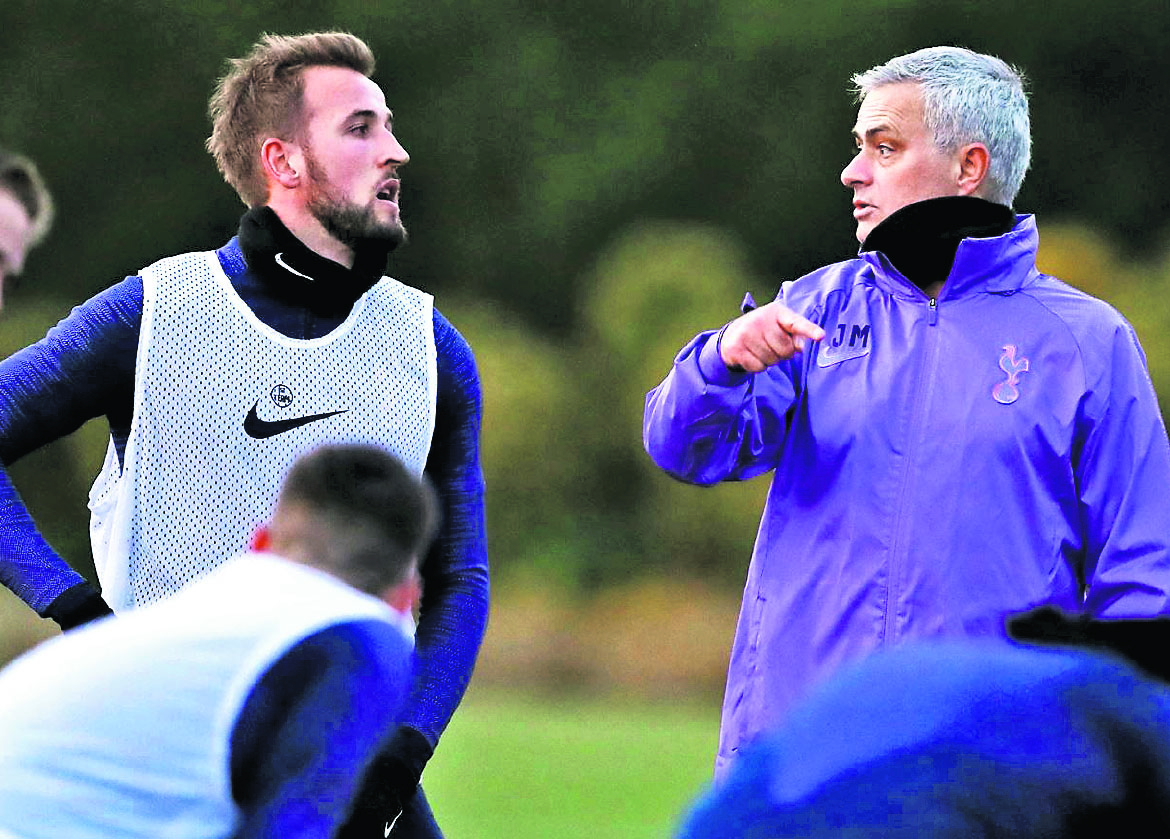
x=389, y=782
x=76, y=606
x=1143, y=641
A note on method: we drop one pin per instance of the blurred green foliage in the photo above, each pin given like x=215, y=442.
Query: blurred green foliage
x=591, y=184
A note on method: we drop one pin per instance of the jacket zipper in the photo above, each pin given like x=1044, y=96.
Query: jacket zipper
x=917, y=429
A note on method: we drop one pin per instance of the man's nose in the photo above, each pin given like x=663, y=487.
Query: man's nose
x=395, y=153
x=854, y=172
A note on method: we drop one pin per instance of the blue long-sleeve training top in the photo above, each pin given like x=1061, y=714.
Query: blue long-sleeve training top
x=84, y=368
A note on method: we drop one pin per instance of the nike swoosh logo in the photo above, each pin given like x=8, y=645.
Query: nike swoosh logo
x=280, y=261
x=263, y=429
x=390, y=825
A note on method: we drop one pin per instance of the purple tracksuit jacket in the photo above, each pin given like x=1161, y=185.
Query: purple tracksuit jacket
x=938, y=464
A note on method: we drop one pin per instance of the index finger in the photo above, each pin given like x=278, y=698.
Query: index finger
x=795, y=324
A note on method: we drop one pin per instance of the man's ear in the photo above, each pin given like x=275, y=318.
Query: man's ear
x=282, y=161
x=262, y=539
x=974, y=163
x=404, y=596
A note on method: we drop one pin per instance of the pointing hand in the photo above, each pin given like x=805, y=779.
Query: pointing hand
x=765, y=336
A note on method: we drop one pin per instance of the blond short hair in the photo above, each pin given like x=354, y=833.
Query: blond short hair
x=261, y=96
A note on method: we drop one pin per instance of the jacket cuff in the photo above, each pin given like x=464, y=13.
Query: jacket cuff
x=393, y=775
x=76, y=606
x=711, y=365
x=412, y=749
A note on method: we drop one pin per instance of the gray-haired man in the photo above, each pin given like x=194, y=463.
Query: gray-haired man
x=954, y=436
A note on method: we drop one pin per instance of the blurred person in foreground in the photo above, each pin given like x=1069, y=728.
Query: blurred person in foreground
x=950, y=738
x=26, y=212
x=248, y=704
x=215, y=370
x=954, y=436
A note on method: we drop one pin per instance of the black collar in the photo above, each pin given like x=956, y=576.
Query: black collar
x=293, y=273
x=921, y=239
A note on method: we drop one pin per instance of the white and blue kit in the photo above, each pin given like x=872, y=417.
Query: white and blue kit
x=203, y=356
x=85, y=367
x=145, y=725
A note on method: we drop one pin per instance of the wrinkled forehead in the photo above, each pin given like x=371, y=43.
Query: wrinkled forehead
x=896, y=108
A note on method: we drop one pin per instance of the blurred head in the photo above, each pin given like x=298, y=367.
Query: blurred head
x=262, y=95
x=26, y=212
x=357, y=513
x=937, y=122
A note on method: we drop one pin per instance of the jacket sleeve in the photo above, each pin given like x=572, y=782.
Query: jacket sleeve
x=1122, y=466
x=83, y=368
x=705, y=423
x=454, y=608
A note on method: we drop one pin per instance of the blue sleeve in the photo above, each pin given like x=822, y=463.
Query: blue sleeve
x=1122, y=466
x=704, y=424
x=311, y=724
x=453, y=614
x=82, y=369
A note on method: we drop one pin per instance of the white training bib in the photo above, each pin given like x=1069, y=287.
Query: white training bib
x=122, y=728
x=223, y=405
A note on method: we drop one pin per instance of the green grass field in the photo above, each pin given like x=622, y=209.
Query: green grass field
x=517, y=767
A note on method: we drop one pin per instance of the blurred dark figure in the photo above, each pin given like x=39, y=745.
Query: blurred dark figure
x=960, y=739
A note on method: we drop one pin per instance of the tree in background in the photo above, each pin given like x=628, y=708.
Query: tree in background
x=590, y=184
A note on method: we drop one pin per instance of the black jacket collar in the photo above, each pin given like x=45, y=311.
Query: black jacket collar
x=293, y=273
x=921, y=239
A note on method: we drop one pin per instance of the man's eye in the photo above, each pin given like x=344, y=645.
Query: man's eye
x=360, y=130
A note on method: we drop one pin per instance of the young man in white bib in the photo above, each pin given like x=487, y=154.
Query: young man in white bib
x=216, y=370
x=249, y=703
